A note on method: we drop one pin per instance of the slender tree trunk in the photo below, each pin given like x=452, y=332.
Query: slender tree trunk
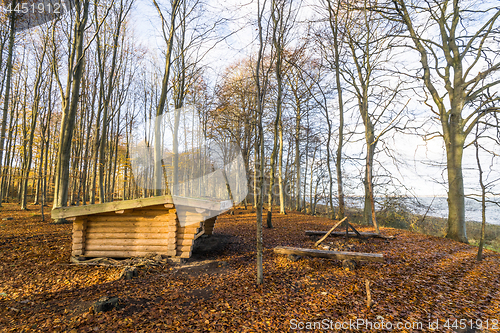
x=297, y=157
x=70, y=109
x=34, y=116
x=483, y=203
x=158, y=164
x=334, y=25
x=259, y=149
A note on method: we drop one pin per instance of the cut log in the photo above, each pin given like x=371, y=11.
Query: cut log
x=358, y=256
x=349, y=264
x=349, y=234
x=184, y=241
x=130, y=226
x=78, y=246
x=131, y=235
x=185, y=236
x=139, y=248
x=126, y=229
x=133, y=217
x=78, y=226
x=188, y=230
x=181, y=248
x=124, y=254
x=330, y=231
x=128, y=242
x=184, y=254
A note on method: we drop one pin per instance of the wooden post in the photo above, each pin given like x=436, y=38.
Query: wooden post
x=208, y=225
x=368, y=294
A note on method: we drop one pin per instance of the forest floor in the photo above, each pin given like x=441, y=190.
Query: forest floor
x=425, y=280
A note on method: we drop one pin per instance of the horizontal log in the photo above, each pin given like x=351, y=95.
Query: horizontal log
x=188, y=222
x=185, y=241
x=131, y=235
x=185, y=236
x=135, y=225
x=79, y=246
x=126, y=229
x=78, y=240
x=143, y=248
x=184, y=254
x=189, y=213
x=184, y=248
x=135, y=212
x=78, y=233
x=358, y=256
x=133, y=218
x=187, y=230
x=349, y=234
x=125, y=254
x=129, y=242
x=168, y=206
x=76, y=252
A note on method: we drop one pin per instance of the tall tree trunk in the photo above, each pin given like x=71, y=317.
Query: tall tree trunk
x=70, y=109
x=10, y=56
x=34, y=116
x=158, y=164
x=456, y=201
x=259, y=148
x=483, y=203
x=334, y=26
x=297, y=157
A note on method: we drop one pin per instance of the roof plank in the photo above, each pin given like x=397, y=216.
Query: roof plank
x=73, y=211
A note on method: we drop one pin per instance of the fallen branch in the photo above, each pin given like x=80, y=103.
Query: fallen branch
x=329, y=232
x=350, y=234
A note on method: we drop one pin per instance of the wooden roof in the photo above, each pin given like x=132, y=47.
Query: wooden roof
x=73, y=211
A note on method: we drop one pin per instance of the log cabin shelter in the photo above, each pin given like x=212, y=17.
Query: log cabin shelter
x=166, y=225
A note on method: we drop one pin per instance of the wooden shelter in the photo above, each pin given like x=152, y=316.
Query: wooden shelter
x=130, y=228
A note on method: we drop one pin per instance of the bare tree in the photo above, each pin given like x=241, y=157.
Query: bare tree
x=456, y=66
x=169, y=39
x=10, y=55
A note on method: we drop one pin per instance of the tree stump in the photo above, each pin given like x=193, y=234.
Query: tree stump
x=105, y=304
x=293, y=257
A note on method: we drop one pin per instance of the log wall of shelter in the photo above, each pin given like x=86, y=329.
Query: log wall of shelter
x=139, y=232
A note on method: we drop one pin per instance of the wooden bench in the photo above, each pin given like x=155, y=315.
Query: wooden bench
x=348, y=258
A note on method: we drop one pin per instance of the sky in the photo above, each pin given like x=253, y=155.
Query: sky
x=423, y=169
